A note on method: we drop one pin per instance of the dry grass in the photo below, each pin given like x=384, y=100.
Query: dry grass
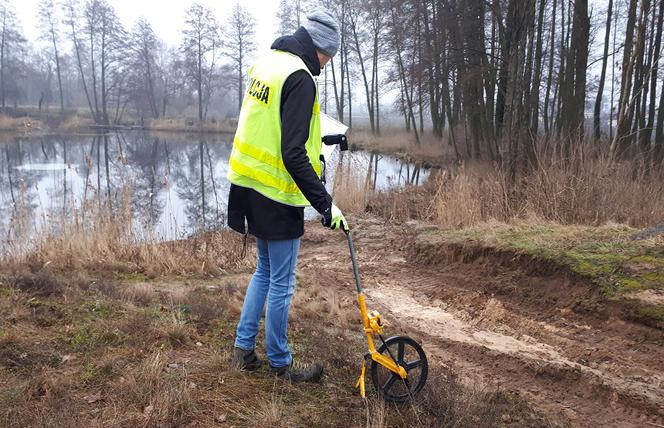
x=74, y=123
x=589, y=188
x=352, y=189
x=448, y=403
x=19, y=124
x=403, y=204
x=591, y=191
x=160, y=356
x=402, y=144
x=191, y=125
x=97, y=240
x=151, y=396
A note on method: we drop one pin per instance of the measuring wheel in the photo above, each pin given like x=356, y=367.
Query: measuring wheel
x=408, y=354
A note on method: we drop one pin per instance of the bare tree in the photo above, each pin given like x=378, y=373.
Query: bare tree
x=366, y=25
x=647, y=134
x=340, y=8
x=49, y=22
x=72, y=21
x=99, y=45
x=573, y=89
x=144, y=71
x=398, y=41
x=200, y=47
x=289, y=16
x=11, y=41
x=239, y=32
x=626, y=81
x=106, y=36
x=174, y=76
x=602, y=79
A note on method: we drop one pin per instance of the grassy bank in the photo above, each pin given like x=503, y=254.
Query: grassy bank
x=625, y=268
x=77, y=122
x=20, y=124
x=191, y=125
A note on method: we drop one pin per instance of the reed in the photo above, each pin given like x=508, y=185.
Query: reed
x=585, y=189
x=95, y=238
x=19, y=124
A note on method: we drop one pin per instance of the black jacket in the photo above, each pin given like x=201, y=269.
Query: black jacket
x=268, y=219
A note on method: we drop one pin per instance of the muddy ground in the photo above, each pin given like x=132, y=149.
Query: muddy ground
x=502, y=326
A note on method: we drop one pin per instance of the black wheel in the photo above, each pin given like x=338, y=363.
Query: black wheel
x=409, y=355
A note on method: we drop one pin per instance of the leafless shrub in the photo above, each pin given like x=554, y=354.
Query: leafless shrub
x=586, y=187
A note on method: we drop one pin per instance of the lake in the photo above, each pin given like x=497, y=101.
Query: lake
x=174, y=184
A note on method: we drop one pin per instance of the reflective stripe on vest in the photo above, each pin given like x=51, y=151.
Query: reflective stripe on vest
x=256, y=160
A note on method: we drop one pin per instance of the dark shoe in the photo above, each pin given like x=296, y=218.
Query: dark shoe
x=293, y=373
x=245, y=360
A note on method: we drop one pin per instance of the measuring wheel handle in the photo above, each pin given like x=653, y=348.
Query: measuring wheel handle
x=407, y=353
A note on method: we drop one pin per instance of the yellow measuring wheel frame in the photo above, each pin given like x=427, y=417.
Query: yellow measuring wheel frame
x=399, y=366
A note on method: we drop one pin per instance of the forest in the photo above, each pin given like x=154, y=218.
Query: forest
x=492, y=76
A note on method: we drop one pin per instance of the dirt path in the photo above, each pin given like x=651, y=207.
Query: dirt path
x=503, y=327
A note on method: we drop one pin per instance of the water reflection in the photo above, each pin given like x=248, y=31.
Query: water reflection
x=174, y=185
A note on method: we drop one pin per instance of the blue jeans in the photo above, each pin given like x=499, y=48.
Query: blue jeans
x=274, y=279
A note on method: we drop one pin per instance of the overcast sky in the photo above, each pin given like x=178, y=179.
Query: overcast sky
x=167, y=17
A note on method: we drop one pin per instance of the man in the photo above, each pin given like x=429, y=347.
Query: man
x=274, y=173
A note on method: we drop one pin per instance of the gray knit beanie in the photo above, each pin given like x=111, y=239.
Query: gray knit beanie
x=324, y=31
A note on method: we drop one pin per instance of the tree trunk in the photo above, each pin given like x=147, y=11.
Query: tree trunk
x=602, y=78
x=574, y=97
x=536, y=80
x=104, y=95
x=549, y=78
x=659, y=131
x=613, y=71
x=564, y=43
x=350, y=94
x=79, y=62
x=653, y=74
x=57, y=70
x=3, y=47
x=239, y=81
x=94, y=78
x=619, y=144
x=199, y=74
x=365, y=81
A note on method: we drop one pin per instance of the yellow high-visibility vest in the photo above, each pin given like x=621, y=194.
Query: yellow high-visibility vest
x=256, y=160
